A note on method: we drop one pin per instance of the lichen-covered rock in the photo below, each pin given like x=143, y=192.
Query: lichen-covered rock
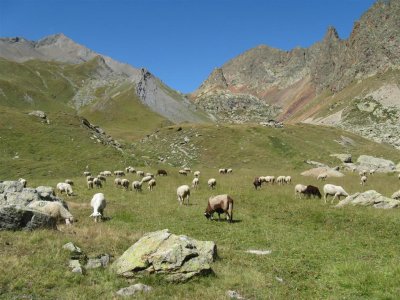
x=133, y=289
x=22, y=198
x=21, y=218
x=11, y=186
x=369, y=198
x=179, y=258
x=378, y=164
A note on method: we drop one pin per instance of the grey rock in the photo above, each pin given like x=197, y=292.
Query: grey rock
x=76, y=267
x=234, y=295
x=345, y=158
x=46, y=193
x=11, y=186
x=133, y=289
x=396, y=195
x=93, y=263
x=316, y=163
x=378, y=164
x=72, y=248
x=21, y=218
x=38, y=113
x=178, y=258
x=22, y=198
x=369, y=198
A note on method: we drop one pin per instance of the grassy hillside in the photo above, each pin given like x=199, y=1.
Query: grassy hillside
x=252, y=146
x=30, y=148
x=318, y=252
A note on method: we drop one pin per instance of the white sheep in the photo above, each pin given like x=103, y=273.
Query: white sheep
x=399, y=176
x=299, y=189
x=288, y=179
x=322, y=176
x=183, y=172
x=335, y=191
x=396, y=195
x=97, y=183
x=119, y=173
x=183, y=192
x=147, y=178
x=125, y=183
x=106, y=173
x=222, y=171
x=98, y=203
x=195, y=182
x=140, y=173
x=280, y=180
x=196, y=173
x=188, y=170
x=137, y=186
x=363, y=180
x=267, y=179
x=69, y=181
x=89, y=184
x=229, y=171
x=86, y=173
x=102, y=178
x=89, y=178
x=23, y=181
x=151, y=184
x=54, y=209
x=372, y=171
x=64, y=187
x=118, y=182
x=149, y=174
x=362, y=173
x=212, y=183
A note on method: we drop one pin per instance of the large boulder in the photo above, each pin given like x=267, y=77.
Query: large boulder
x=345, y=158
x=322, y=170
x=11, y=186
x=369, y=198
x=378, y=164
x=22, y=198
x=177, y=257
x=21, y=218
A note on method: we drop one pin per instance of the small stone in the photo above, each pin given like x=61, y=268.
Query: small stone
x=72, y=248
x=133, y=289
x=259, y=252
x=76, y=266
x=234, y=295
x=93, y=263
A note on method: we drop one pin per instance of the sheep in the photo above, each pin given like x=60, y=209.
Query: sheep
x=151, y=184
x=102, y=178
x=220, y=204
x=137, y=186
x=195, y=182
x=322, y=176
x=97, y=183
x=288, y=179
x=335, y=191
x=396, y=195
x=98, y=203
x=119, y=173
x=363, y=180
x=280, y=180
x=54, y=209
x=23, y=181
x=86, y=173
x=147, y=178
x=69, y=181
x=399, y=176
x=196, y=173
x=162, y=172
x=188, y=170
x=130, y=170
x=183, y=192
x=149, y=174
x=212, y=183
x=372, y=171
x=125, y=184
x=257, y=182
x=312, y=191
x=106, y=173
x=182, y=172
x=298, y=190
x=64, y=187
x=89, y=185
x=362, y=173
x=118, y=182
x=222, y=171
x=229, y=171
x=140, y=173
x=267, y=179
x=89, y=178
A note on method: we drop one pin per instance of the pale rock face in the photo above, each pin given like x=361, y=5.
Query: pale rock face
x=369, y=198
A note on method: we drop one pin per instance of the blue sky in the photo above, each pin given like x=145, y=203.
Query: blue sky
x=180, y=41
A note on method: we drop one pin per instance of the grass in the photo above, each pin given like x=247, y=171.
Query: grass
x=318, y=251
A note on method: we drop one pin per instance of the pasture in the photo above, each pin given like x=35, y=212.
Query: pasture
x=318, y=251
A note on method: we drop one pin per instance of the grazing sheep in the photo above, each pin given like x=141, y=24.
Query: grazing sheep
x=137, y=186
x=312, y=191
x=322, y=176
x=64, y=187
x=220, y=204
x=86, y=173
x=288, y=179
x=229, y=171
x=267, y=179
x=89, y=184
x=334, y=190
x=396, y=195
x=106, y=173
x=140, y=173
x=372, y=171
x=98, y=203
x=362, y=173
x=257, y=183
x=118, y=182
x=69, y=181
x=363, y=180
x=130, y=170
x=97, y=183
x=23, y=181
x=89, y=178
x=149, y=174
x=212, y=183
x=151, y=184
x=280, y=180
x=299, y=189
x=188, y=170
x=195, y=182
x=147, y=178
x=183, y=192
x=125, y=183
x=102, y=178
x=54, y=209
x=182, y=172
x=196, y=173
x=162, y=173
x=223, y=171
x=119, y=173
x=399, y=176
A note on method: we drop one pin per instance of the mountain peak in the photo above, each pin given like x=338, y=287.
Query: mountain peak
x=331, y=34
x=58, y=38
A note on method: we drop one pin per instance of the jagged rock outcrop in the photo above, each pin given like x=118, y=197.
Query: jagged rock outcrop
x=369, y=198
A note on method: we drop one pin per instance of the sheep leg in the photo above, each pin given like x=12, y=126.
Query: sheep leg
x=325, y=197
